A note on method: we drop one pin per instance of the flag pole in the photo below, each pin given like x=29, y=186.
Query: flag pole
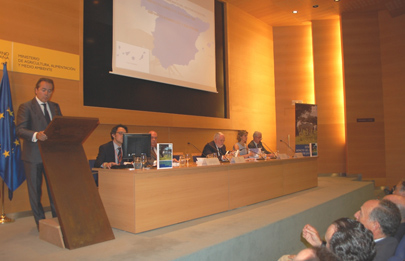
x=3, y=218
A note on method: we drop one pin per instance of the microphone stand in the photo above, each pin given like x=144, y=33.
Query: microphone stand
x=269, y=149
x=189, y=143
x=288, y=146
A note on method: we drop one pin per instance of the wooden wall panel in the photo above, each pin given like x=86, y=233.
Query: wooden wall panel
x=392, y=39
x=329, y=95
x=294, y=79
x=57, y=25
x=364, y=95
x=251, y=75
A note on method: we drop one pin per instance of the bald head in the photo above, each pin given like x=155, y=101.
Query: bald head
x=153, y=138
x=400, y=202
x=400, y=188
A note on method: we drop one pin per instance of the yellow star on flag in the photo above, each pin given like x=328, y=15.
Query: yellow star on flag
x=6, y=154
x=17, y=142
x=10, y=112
x=1, y=115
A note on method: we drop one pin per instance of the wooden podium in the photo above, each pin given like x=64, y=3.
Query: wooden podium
x=81, y=214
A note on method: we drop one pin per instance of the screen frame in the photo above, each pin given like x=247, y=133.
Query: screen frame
x=103, y=89
x=131, y=138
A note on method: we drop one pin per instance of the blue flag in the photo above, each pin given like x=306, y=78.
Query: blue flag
x=11, y=166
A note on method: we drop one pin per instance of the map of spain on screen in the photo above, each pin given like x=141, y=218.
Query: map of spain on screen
x=166, y=39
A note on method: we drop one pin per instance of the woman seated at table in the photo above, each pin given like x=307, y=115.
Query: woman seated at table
x=241, y=144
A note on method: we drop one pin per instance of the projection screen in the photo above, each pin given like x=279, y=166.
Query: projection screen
x=168, y=41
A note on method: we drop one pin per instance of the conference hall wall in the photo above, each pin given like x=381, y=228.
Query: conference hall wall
x=308, y=68
x=374, y=62
x=58, y=25
x=365, y=82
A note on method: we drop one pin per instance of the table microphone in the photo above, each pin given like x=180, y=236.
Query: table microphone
x=189, y=143
x=268, y=148
x=288, y=145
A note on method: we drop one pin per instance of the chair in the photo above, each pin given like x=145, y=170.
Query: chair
x=195, y=156
x=176, y=155
x=399, y=252
x=94, y=172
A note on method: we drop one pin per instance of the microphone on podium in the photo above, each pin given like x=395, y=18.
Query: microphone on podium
x=288, y=146
x=189, y=143
x=268, y=148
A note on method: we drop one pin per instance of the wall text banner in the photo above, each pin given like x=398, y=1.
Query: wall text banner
x=36, y=60
x=6, y=49
x=306, y=129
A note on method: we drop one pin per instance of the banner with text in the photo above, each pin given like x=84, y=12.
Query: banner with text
x=36, y=60
x=306, y=129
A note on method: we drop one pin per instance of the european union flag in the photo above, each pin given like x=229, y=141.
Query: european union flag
x=11, y=166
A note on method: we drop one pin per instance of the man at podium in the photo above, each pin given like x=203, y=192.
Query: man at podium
x=32, y=119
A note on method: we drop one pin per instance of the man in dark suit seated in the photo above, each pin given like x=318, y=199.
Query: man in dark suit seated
x=110, y=154
x=257, y=142
x=153, y=144
x=400, y=202
x=382, y=218
x=33, y=118
x=216, y=147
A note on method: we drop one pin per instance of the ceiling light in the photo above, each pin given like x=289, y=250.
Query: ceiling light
x=337, y=0
x=295, y=12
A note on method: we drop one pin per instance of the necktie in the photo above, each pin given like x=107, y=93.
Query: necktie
x=153, y=153
x=47, y=117
x=119, y=156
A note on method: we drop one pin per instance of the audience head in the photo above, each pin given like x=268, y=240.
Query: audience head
x=257, y=137
x=117, y=133
x=242, y=135
x=351, y=241
x=400, y=188
x=399, y=201
x=219, y=139
x=44, y=89
x=381, y=217
x=153, y=139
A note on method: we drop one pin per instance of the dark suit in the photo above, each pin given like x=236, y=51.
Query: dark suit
x=400, y=232
x=211, y=148
x=106, y=153
x=252, y=145
x=385, y=248
x=31, y=119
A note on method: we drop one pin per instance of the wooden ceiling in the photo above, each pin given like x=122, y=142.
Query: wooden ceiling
x=279, y=12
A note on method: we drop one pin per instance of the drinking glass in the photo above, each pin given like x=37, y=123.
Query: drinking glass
x=188, y=157
x=144, y=159
x=137, y=163
x=182, y=161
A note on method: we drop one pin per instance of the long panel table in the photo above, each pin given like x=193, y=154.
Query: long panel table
x=142, y=200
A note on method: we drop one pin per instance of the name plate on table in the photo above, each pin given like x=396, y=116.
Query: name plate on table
x=298, y=155
x=283, y=156
x=211, y=161
x=238, y=160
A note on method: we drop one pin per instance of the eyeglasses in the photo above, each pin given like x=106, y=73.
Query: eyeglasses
x=120, y=132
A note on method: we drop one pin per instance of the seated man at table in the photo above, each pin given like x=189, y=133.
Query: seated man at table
x=153, y=144
x=216, y=146
x=110, y=154
x=257, y=143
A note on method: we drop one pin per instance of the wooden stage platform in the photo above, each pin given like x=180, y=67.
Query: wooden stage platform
x=261, y=231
